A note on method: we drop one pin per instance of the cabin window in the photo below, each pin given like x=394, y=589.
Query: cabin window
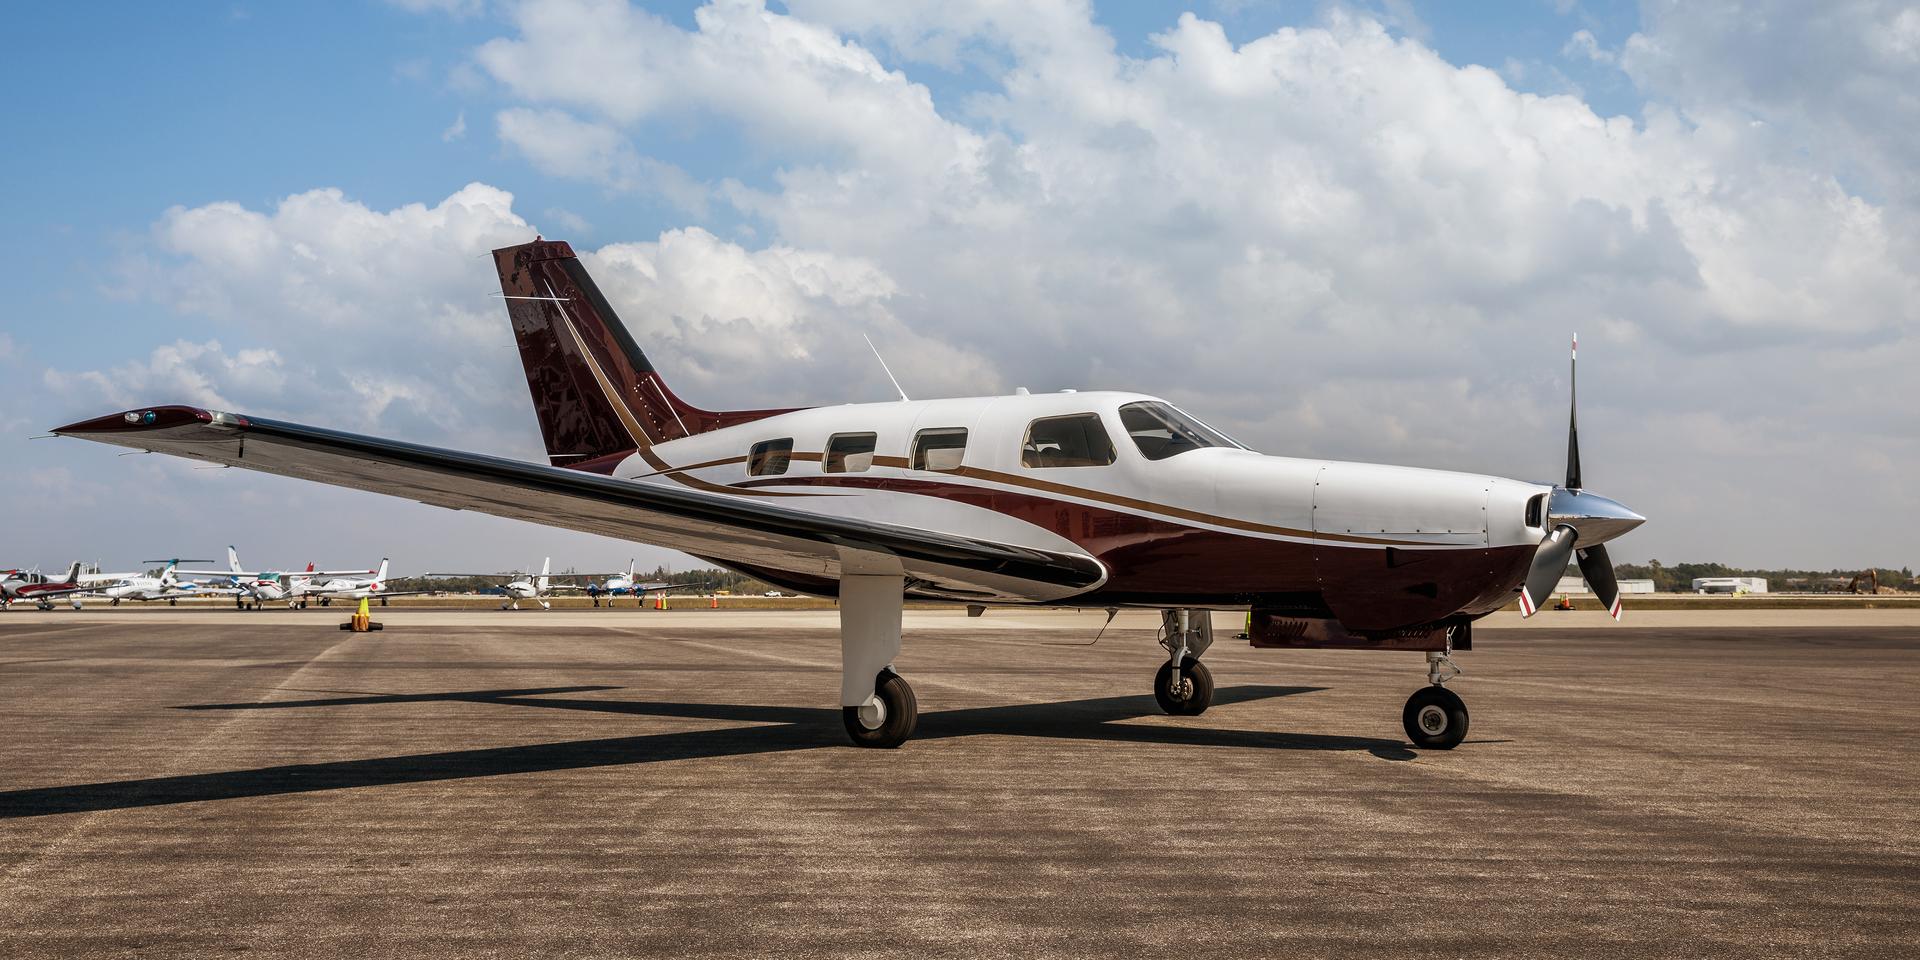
x=941, y=448
x=849, y=453
x=1160, y=430
x=1076, y=441
x=770, y=457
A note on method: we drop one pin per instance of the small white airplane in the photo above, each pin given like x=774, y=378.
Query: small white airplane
x=167, y=586
x=1066, y=499
x=357, y=585
x=42, y=591
x=252, y=588
x=623, y=584
x=540, y=587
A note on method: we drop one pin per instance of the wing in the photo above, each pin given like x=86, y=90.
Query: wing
x=717, y=525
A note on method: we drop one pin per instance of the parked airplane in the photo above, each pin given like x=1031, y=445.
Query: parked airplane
x=167, y=586
x=357, y=586
x=42, y=591
x=523, y=586
x=1014, y=499
x=253, y=588
x=622, y=584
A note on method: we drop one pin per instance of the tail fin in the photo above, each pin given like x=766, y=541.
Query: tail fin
x=381, y=576
x=545, y=566
x=73, y=573
x=233, y=559
x=595, y=393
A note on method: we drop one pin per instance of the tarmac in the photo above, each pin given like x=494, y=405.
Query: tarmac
x=638, y=783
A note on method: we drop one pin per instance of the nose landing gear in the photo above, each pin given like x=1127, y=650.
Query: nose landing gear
x=1183, y=685
x=1435, y=718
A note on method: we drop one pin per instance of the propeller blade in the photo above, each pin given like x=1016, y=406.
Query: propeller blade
x=1549, y=565
x=1573, y=416
x=1598, y=571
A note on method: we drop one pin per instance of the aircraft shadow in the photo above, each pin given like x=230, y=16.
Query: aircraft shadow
x=778, y=729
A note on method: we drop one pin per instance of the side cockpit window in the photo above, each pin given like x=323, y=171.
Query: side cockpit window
x=1160, y=430
x=941, y=448
x=769, y=457
x=1073, y=441
x=849, y=453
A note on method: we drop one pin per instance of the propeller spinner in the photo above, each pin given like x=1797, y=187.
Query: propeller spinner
x=1578, y=525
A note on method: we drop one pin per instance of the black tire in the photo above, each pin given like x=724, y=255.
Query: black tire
x=1196, y=693
x=902, y=714
x=1435, y=718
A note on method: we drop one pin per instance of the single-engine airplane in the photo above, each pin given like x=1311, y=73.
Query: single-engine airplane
x=42, y=591
x=167, y=586
x=1069, y=499
x=540, y=587
x=359, y=585
x=254, y=587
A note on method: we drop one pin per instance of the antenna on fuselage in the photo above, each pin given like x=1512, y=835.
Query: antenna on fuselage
x=883, y=366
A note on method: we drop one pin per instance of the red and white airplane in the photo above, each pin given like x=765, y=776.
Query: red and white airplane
x=1065, y=499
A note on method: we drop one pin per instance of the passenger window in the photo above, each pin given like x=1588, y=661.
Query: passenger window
x=1076, y=441
x=770, y=457
x=849, y=453
x=939, y=449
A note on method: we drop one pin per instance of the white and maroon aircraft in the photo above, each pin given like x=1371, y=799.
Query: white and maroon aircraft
x=1066, y=499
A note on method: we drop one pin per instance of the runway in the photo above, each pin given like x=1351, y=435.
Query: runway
x=635, y=783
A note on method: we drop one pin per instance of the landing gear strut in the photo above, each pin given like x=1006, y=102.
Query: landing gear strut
x=1435, y=717
x=1184, y=685
x=881, y=711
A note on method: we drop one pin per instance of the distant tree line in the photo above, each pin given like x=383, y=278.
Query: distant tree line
x=1679, y=577
x=703, y=580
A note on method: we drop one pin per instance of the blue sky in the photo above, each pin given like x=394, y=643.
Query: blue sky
x=133, y=110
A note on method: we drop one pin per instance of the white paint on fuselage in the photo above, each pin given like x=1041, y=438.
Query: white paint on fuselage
x=1352, y=505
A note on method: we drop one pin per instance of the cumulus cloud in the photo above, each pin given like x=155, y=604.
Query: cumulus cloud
x=202, y=374
x=1329, y=240
x=1832, y=80
x=1582, y=45
x=563, y=145
x=1294, y=230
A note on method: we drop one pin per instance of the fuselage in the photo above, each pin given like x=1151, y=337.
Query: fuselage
x=1206, y=523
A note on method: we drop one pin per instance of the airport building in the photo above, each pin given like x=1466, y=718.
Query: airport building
x=1730, y=585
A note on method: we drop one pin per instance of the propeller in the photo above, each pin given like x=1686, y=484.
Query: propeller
x=1570, y=510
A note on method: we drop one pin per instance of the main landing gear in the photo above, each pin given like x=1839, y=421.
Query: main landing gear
x=1435, y=717
x=876, y=703
x=1184, y=685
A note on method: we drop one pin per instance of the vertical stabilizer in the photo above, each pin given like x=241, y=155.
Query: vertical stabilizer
x=594, y=391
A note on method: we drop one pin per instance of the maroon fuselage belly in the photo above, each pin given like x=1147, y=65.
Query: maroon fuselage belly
x=1155, y=562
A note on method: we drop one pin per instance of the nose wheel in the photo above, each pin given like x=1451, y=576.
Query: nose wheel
x=887, y=718
x=1435, y=718
x=1188, y=696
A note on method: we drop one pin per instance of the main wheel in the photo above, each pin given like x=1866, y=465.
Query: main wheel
x=1195, y=693
x=891, y=722
x=1435, y=718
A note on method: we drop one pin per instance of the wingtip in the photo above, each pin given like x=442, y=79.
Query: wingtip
x=146, y=418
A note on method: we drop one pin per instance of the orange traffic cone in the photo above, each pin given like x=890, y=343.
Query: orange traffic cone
x=362, y=621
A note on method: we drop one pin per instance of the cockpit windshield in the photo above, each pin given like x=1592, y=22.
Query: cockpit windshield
x=1160, y=430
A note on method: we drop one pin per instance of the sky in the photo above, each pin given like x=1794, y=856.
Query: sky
x=1356, y=230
